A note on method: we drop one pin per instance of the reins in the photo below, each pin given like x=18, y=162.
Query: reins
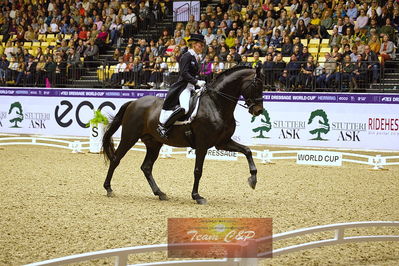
x=248, y=103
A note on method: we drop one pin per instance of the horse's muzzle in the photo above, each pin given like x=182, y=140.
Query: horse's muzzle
x=256, y=110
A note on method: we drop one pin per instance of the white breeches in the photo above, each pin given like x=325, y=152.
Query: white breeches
x=184, y=101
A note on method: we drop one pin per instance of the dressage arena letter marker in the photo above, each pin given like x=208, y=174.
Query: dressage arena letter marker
x=319, y=158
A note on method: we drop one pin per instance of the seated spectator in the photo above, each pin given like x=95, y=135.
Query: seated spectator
x=290, y=73
x=129, y=23
x=116, y=77
x=170, y=46
x=387, y=50
x=54, y=28
x=230, y=63
x=362, y=20
x=287, y=47
x=346, y=75
x=388, y=29
x=305, y=77
x=217, y=66
x=206, y=69
x=101, y=40
x=135, y=71
x=276, y=40
x=83, y=34
x=374, y=44
x=156, y=78
x=326, y=79
x=257, y=62
x=80, y=48
x=115, y=29
x=30, y=35
x=268, y=70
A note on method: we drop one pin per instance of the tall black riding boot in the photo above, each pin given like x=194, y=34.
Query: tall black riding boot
x=163, y=129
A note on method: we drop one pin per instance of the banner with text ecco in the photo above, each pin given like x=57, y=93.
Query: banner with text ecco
x=353, y=121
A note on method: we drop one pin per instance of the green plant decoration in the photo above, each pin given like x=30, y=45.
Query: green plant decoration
x=98, y=118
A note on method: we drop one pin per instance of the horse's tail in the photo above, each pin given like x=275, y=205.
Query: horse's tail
x=108, y=143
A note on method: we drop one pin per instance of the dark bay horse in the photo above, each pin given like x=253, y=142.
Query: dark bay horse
x=214, y=125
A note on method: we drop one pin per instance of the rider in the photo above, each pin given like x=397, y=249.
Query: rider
x=180, y=92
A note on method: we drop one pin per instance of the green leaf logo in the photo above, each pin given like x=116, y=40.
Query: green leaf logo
x=318, y=121
x=266, y=124
x=16, y=113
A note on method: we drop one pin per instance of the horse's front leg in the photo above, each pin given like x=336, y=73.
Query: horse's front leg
x=199, y=163
x=234, y=146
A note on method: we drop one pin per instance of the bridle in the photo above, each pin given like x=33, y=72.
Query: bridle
x=250, y=102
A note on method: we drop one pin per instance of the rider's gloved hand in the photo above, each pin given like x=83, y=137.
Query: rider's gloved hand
x=201, y=83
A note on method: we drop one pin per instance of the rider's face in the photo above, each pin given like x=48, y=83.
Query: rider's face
x=198, y=47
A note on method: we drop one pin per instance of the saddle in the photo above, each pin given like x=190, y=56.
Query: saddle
x=192, y=110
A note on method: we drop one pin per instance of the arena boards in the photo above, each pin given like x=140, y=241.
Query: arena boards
x=329, y=120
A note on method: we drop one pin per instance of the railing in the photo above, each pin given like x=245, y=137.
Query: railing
x=121, y=254
x=265, y=156
x=183, y=12
x=94, y=74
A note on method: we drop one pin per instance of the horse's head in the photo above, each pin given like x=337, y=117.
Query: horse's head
x=253, y=93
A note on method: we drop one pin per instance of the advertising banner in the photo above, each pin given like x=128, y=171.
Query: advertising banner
x=332, y=120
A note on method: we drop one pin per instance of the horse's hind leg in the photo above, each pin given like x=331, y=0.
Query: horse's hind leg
x=151, y=156
x=123, y=148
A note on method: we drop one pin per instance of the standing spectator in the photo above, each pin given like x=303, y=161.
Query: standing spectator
x=40, y=72
x=144, y=15
x=372, y=63
x=30, y=71
x=4, y=63
x=60, y=71
x=73, y=61
x=91, y=54
x=49, y=68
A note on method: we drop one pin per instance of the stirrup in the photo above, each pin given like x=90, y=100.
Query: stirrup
x=162, y=131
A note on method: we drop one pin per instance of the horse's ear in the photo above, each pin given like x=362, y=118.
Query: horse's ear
x=258, y=69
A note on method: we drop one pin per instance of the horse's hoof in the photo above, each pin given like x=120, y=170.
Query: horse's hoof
x=252, y=182
x=162, y=196
x=201, y=201
x=110, y=194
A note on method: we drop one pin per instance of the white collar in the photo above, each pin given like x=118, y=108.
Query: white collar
x=192, y=52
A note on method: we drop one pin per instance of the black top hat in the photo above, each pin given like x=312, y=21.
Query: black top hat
x=197, y=38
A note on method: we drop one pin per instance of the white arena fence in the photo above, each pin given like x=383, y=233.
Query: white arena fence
x=121, y=254
x=265, y=156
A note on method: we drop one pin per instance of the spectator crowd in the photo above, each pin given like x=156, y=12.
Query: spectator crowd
x=278, y=34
